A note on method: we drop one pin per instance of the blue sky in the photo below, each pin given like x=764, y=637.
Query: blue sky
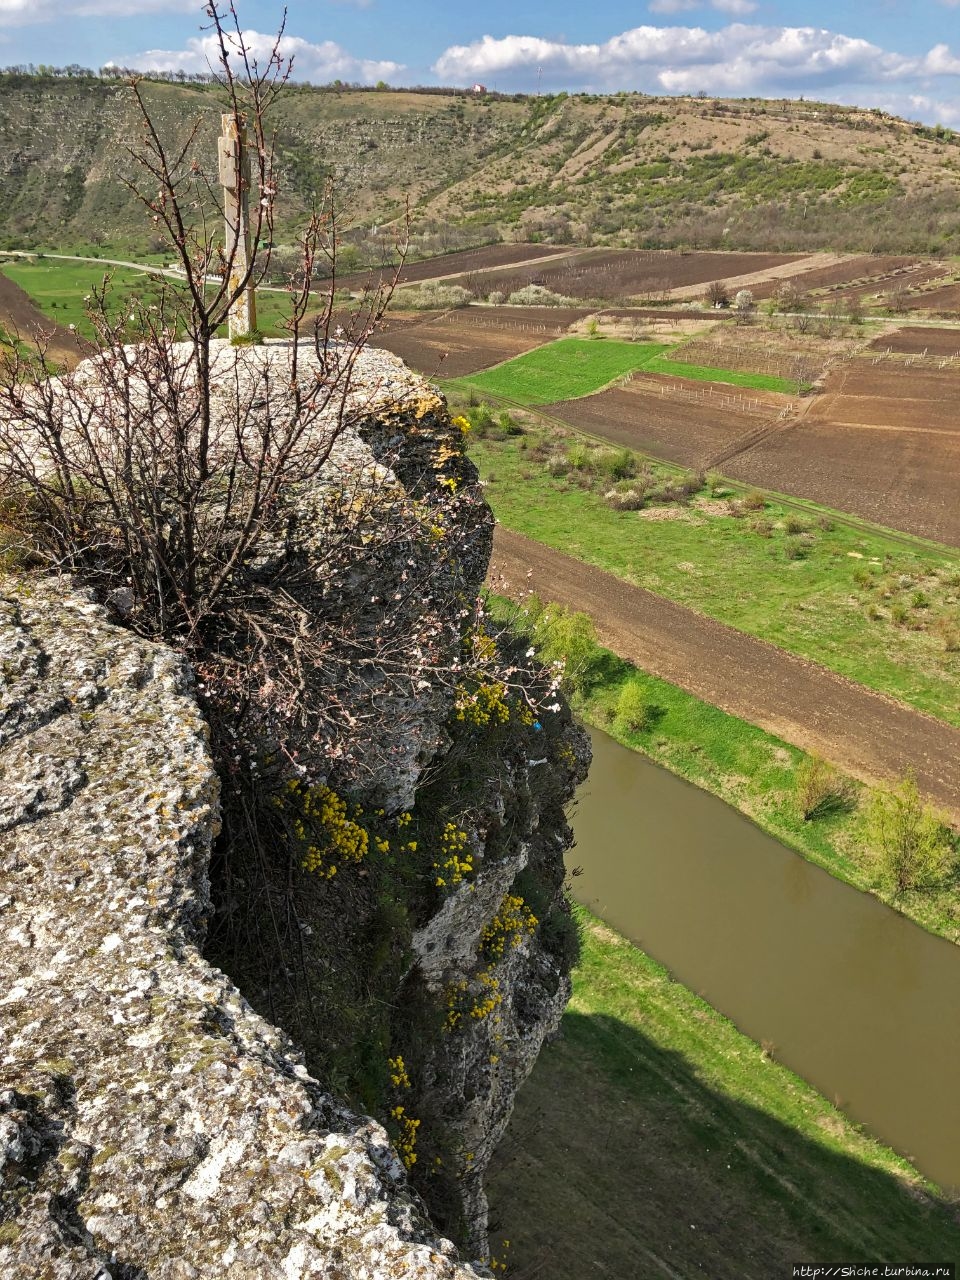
x=897, y=54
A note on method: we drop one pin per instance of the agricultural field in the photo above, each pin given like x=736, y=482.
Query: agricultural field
x=616, y=276
x=876, y=609
x=488, y=257
x=664, y=418
x=924, y=341
x=574, y=367
x=883, y=442
x=457, y=343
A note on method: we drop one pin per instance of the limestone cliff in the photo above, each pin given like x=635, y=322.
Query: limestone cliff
x=153, y=1123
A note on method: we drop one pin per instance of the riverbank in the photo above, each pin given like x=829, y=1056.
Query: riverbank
x=749, y=768
x=654, y=1139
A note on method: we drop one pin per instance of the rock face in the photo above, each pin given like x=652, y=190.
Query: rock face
x=152, y=1124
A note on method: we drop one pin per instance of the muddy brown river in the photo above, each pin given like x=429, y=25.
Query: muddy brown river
x=852, y=996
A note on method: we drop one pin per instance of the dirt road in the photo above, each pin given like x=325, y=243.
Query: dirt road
x=867, y=734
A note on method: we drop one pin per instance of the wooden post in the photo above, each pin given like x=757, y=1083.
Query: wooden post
x=235, y=180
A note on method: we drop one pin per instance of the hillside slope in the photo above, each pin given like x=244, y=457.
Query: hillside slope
x=624, y=169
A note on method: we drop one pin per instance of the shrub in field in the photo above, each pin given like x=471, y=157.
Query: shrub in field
x=862, y=576
x=634, y=714
x=948, y=631
x=497, y=299
x=718, y=295
x=910, y=842
x=578, y=456
x=570, y=638
x=432, y=296
x=754, y=500
x=557, y=464
x=619, y=465
x=794, y=524
x=899, y=613
x=819, y=790
x=626, y=499
x=763, y=526
x=826, y=524
x=796, y=549
x=715, y=483
x=537, y=295
x=919, y=600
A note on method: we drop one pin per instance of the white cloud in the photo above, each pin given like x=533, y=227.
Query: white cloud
x=738, y=59
x=318, y=63
x=737, y=8
x=22, y=12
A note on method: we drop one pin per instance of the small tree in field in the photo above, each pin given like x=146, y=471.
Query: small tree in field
x=910, y=842
x=718, y=295
x=634, y=713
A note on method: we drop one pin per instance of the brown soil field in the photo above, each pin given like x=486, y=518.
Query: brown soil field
x=906, y=386
x=945, y=301
x=860, y=271
x=882, y=442
x=461, y=342
x=20, y=315
x=919, y=341
x=867, y=734
x=626, y=273
x=902, y=479
x=464, y=260
x=675, y=427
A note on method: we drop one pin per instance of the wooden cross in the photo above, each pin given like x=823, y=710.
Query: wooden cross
x=235, y=180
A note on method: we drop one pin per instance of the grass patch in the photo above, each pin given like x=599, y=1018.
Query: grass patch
x=565, y=369
x=704, y=373
x=654, y=1139
x=716, y=562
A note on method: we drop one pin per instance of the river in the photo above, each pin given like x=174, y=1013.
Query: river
x=857, y=999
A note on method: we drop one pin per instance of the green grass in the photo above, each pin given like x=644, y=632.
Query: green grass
x=574, y=367
x=60, y=288
x=718, y=565
x=654, y=1139
x=565, y=369
x=749, y=768
x=703, y=373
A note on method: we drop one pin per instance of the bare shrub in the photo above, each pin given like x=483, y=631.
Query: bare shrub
x=754, y=500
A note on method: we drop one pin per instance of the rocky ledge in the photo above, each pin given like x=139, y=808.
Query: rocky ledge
x=151, y=1124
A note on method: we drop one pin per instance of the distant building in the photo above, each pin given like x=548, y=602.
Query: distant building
x=479, y=88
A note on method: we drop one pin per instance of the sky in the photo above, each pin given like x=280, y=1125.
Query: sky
x=901, y=55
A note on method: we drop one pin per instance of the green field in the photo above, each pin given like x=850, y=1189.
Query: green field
x=654, y=1140
x=813, y=592
x=703, y=373
x=574, y=367
x=60, y=289
x=566, y=369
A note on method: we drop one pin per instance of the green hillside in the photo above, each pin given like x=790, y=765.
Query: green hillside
x=624, y=170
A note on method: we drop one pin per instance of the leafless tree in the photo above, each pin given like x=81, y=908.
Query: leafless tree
x=177, y=474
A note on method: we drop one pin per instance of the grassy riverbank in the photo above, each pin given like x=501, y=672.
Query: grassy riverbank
x=750, y=769
x=880, y=609
x=654, y=1139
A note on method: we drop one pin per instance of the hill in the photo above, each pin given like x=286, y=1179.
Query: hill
x=624, y=170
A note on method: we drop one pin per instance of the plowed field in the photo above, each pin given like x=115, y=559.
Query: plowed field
x=626, y=273
x=489, y=255
x=864, y=272
x=457, y=343
x=646, y=415
x=920, y=341
x=883, y=442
